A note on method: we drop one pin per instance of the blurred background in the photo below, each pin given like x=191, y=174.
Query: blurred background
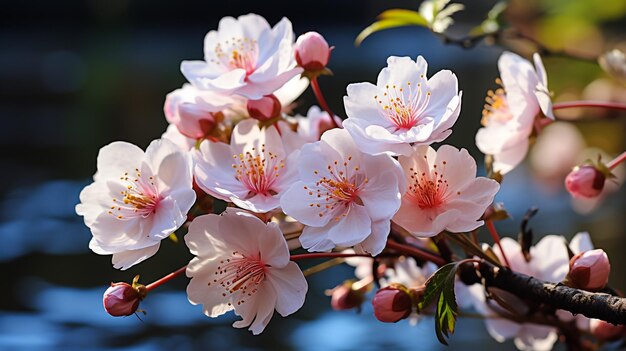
x=77, y=75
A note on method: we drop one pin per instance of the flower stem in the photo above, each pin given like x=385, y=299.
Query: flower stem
x=589, y=103
x=325, y=255
x=496, y=238
x=616, y=161
x=414, y=251
x=166, y=279
x=320, y=98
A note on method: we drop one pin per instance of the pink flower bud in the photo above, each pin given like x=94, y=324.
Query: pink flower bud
x=589, y=270
x=605, y=331
x=265, y=108
x=121, y=299
x=344, y=297
x=312, y=51
x=392, y=304
x=585, y=182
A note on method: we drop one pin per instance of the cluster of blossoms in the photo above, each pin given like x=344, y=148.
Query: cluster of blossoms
x=372, y=184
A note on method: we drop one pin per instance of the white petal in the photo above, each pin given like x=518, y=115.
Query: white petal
x=290, y=286
x=509, y=158
x=401, y=70
x=199, y=291
x=117, y=158
x=126, y=259
x=272, y=246
x=376, y=241
x=550, y=258
x=581, y=242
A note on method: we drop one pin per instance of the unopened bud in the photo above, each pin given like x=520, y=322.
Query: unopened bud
x=265, y=108
x=312, y=52
x=346, y=297
x=392, y=304
x=589, y=270
x=585, y=182
x=121, y=299
x=605, y=331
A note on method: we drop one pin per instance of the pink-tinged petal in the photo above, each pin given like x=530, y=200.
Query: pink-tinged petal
x=545, y=101
x=509, y=158
x=235, y=229
x=172, y=166
x=229, y=28
x=291, y=287
x=550, y=258
x=195, y=70
x=361, y=133
x=259, y=203
x=199, y=293
x=297, y=200
x=174, y=135
x=258, y=311
x=314, y=239
x=382, y=196
x=289, y=92
x=541, y=71
x=581, y=242
x=351, y=229
x=459, y=167
x=401, y=70
x=199, y=237
x=480, y=191
x=376, y=241
x=117, y=158
x=314, y=161
x=167, y=218
x=126, y=259
x=443, y=87
x=252, y=25
x=273, y=247
x=341, y=141
x=258, y=85
x=360, y=103
x=442, y=127
x=95, y=199
x=225, y=83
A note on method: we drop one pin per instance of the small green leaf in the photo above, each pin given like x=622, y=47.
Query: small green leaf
x=493, y=22
x=441, y=287
x=410, y=17
x=378, y=26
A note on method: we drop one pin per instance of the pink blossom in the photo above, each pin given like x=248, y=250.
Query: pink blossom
x=343, y=196
x=192, y=111
x=605, y=331
x=312, y=51
x=265, y=108
x=252, y=172
x=242, y=264
x=443, y=192
x=509, y=114
x=586, y=182
x=403, y=108
x=121, y=299
x=137, y=199
x=392, y=304
x=589, y=270
x=245, y=57
x=316, y=122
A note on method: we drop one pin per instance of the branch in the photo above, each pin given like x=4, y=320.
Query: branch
x=593, y=305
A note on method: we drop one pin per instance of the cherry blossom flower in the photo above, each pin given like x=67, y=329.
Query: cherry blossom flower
x=403, y=108
x=251, y=172
x=509, y=115
x=316, y=122
x=344, y=197
x=242, y=264
x=193, y=111
x=443, y=192
x=245, y=57
x=136, y=200
x=173, y=134
x=549, y=261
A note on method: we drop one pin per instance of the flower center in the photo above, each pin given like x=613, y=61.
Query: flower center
x=341, y=187
x=426, y=190
x=139, y=199
x=240, y=276
x=496, y=107
x=237, y=53
x=258, y=171
x=403, y=107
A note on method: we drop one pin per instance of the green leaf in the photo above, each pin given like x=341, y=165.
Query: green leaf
x=493, y=22
x=392, y=19
x=409, y=16
x=440, y=287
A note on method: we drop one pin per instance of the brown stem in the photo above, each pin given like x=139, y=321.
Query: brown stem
x=592, y=305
